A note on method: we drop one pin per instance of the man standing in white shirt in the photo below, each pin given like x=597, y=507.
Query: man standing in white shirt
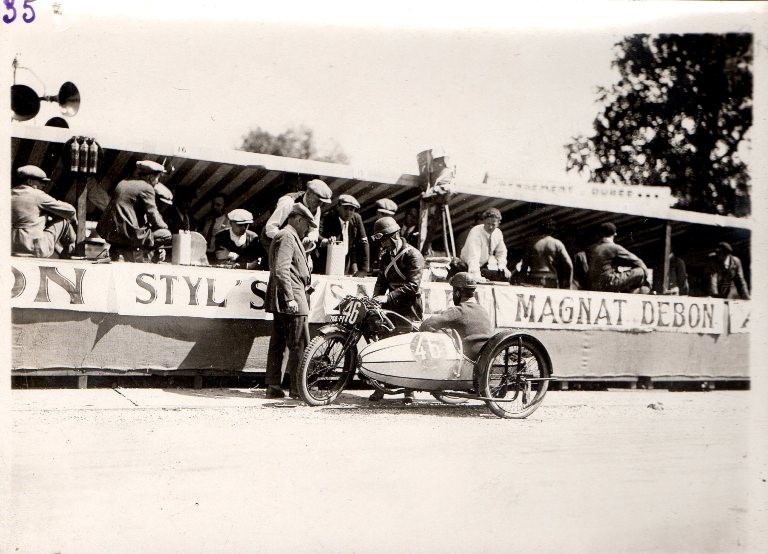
x=317, y=193
x=484, y=251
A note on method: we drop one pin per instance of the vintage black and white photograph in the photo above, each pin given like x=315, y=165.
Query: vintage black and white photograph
x=323, y=277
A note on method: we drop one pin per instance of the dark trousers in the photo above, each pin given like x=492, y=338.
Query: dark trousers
x=624, y=281
x=289, y=332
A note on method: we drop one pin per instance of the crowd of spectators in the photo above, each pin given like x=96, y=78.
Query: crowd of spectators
x=143, y=215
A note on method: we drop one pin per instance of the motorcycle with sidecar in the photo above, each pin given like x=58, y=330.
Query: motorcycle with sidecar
x=511, y=374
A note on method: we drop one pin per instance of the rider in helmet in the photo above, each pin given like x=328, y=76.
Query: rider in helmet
x=467, y=317
x=398, y=284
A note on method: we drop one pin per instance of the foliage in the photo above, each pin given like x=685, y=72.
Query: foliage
x=676, y=117
x=292, y=143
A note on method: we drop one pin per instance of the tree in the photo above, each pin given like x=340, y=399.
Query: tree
x=292, y=143
x=676, y=117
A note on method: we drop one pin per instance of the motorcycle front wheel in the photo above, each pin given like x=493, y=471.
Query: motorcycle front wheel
x=326, y=369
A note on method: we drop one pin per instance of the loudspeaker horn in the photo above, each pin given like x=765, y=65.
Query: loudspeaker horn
x=57, y=122
x=24, y=102
x=68, y=99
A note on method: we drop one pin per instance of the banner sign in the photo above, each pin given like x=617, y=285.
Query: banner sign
x=542, y=308
x=51, y=284
x=186, y=291
x=738, y=316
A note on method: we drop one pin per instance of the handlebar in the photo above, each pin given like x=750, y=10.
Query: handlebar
x=384, y=314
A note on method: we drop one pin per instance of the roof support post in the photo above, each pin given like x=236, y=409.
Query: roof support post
x=667, y=252
x=81, y=183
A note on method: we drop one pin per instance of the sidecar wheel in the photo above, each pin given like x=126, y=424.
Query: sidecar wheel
x=326, y=369
x=513, y=368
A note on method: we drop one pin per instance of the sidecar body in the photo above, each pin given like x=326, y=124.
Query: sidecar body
x=422, y=361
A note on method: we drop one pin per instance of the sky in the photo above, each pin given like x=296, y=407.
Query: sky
x=500, y=90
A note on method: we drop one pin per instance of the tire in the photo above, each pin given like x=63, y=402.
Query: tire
x=320, y=381
x=508, y=369
x=446, y=399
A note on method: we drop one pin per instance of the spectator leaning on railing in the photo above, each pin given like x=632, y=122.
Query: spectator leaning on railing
x=484, y=251
x=238, y=246
x=317, y=193
x=131, y=223
x=606, y=258
x=32, y=234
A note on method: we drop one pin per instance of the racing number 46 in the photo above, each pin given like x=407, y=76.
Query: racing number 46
x=11, y=11
x=350, y=313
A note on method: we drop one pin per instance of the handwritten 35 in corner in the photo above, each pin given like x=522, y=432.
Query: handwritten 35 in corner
x=12, y=12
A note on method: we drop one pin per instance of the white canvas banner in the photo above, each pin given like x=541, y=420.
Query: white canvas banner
x=541, y=308
x=187, y=291
x=57, y=285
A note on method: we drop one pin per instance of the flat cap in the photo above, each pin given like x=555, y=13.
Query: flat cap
x=301, y=210
x=148, y=166
x=606, y=229
x=386, y=206
x=322, y=190
x=492, y=212
x=240, y=216
x=348, y=200
x=725, y=247
x=163, y=194
x=32, y=172
x=463, y=280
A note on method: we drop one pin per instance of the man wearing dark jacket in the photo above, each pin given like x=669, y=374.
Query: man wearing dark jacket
x=398, y=285
x=605, y=260
x=726, y=275
x=468, y=318
x=239, y=245
x=131, y=223
x=346, y=226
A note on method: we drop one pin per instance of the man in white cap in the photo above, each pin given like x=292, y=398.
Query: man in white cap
x=317, y=194
x=31, y=232
x=238, y=245
x=131, y=223
x=288, y=300
x=346, y=226
x=484, y=251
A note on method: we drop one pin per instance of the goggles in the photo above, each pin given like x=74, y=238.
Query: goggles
x=379, y=236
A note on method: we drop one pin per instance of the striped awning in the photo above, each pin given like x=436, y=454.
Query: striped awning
x=256, y=181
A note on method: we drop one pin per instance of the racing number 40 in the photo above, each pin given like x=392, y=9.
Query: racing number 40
x=425, y=349
x=12, y=13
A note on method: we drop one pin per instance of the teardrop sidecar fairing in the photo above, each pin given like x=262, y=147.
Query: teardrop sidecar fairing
x=422, y=361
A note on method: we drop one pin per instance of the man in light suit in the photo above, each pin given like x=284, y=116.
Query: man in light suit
x=287, y=300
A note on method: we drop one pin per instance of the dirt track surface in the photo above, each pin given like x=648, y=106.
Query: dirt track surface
x=224, y=470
